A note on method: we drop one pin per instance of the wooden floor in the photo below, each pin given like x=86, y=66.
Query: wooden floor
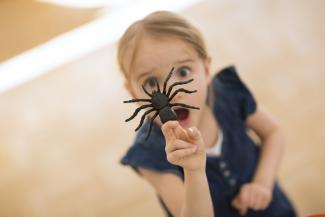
x=62, y=135
x=25, y=24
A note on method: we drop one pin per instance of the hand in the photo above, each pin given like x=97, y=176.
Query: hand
x=184, y=147
x=252, y=196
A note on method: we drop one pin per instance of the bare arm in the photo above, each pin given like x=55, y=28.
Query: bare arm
x=257, y=194
x=191, y=198
x=184, y=148
x=197, y=200
x=273, y=140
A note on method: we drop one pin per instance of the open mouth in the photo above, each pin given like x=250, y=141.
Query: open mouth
x=182, y=114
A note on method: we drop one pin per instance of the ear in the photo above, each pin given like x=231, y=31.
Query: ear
x=207, y=65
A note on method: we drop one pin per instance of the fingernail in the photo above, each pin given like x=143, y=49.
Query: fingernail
x=191, y=130
x=175, y=123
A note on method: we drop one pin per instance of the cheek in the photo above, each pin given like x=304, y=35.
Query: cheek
x=202, y=90
x=137, y=91
x=203, y=97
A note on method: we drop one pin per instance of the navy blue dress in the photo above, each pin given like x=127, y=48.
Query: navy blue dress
x=239, y=154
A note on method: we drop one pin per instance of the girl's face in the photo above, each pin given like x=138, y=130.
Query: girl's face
x=154, y=59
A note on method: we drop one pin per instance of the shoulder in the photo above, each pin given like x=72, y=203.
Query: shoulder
x=231, y=92
x=228, y=79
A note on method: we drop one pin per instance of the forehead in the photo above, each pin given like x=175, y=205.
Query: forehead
x=160, y=53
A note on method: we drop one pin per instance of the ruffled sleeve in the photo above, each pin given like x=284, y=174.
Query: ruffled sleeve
x=234, y=92
x=150, y=154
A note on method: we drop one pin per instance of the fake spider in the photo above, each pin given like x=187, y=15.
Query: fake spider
x=160, y=102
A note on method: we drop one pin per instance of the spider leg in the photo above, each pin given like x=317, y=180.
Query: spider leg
x=177, y=83
x=167, y=79
x=137, y=100
x=150, y=127
x=181, y=90
x=143, y=117
x=145, y=90
x=137, y=111
x=183, y=105
x=157, y=84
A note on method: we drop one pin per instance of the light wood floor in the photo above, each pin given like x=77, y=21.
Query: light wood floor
x=62, y=135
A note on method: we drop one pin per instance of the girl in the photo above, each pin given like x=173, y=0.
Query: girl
x=203, y=164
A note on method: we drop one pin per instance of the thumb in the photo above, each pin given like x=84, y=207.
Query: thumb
x=235, y=203
x=243, y=210
x=239, y=205
x=180, y=132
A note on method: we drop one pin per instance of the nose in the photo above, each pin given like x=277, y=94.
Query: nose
x=177, y=98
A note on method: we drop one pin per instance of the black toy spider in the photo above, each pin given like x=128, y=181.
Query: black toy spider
x=160, y=102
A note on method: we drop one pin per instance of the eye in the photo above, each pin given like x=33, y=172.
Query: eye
x=184, y=72
x=150, y=83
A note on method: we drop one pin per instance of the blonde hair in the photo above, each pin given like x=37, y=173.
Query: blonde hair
x=159, y=24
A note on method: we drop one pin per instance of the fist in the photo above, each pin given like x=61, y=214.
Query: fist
x=252, y=196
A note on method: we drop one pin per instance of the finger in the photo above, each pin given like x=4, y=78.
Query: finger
x=258, y=204
x=169, y=125
x=178, y=144
x=235, y=203
x=243, y=210
x=244, y=198
x=177, y=155
x=244, y=195
x=167, y=130
x=265, y=203
x=240, y=204
x=255, y=200
x=193, y=133
x=169, y=136
x=195, y=137
x=241, y=207
x=180, y=132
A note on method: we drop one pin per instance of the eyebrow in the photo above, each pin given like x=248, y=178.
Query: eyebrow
x=142, y=75
x=185, y=60
x=177, y=62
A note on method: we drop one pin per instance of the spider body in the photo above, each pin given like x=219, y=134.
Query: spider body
x=159, y=100
x=161, y=103
x=167, y=114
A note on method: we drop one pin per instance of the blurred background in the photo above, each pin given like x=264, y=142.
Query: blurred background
x=62, y=129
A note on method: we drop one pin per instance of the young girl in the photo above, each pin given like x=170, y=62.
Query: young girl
x=203, y=164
